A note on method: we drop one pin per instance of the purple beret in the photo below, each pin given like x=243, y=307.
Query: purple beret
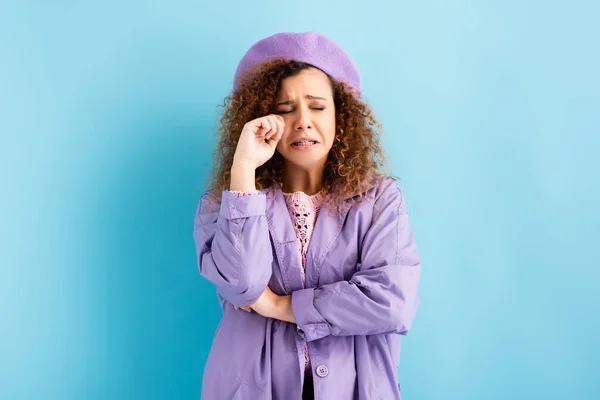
x=308, y=47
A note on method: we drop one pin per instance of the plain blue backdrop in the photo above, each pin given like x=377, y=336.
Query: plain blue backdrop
x=491, y=116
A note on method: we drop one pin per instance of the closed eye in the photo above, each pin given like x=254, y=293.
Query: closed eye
x=289, y=111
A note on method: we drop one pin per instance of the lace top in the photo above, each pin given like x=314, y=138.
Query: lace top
x=303, y=211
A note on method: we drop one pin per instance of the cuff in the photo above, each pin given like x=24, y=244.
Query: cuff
x=233, y=206
x=239, y=193
x=311, y=324
x=247, y=298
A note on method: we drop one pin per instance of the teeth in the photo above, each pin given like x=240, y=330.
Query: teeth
x=304, y=143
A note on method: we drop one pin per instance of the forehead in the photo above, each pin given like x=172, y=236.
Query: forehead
x=312, y=81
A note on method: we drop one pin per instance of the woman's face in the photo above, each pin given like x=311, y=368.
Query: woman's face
x=305, y=101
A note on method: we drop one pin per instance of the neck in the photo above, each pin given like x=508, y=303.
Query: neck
x=300, y=179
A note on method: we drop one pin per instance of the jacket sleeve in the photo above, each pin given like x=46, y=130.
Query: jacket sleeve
x=233, y=246
x=381, y=297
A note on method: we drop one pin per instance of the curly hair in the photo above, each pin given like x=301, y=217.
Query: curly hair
x=355, y=162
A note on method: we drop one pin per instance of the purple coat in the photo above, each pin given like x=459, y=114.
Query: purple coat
x=360, y=296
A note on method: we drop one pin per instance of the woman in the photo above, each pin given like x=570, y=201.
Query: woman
x=305, y=238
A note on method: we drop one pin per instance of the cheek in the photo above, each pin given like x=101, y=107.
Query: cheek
x=331, y=132
x=283, y=140
x=279, y=146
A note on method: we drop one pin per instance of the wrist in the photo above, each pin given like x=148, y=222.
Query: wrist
x=242, y=162
x=243, y=177
x=283, y=309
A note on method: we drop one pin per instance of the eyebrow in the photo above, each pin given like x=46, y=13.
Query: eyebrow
x=308, y=96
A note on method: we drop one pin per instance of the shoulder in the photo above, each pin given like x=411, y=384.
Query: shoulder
x=384, y=191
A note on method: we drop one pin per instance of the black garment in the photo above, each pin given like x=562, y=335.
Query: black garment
x=308, y=391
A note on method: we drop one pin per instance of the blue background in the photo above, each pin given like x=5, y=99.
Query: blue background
x=107, y=115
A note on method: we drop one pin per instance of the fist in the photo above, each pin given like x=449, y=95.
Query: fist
x=258, y=140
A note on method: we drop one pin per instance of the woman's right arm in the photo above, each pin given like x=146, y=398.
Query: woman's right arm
x=233, y=246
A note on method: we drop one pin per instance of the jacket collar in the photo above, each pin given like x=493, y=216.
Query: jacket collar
x=327, y=228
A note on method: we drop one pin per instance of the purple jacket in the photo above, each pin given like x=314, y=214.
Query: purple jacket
x=362, y=276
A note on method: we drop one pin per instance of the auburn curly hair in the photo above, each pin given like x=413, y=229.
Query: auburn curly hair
x=355, y=162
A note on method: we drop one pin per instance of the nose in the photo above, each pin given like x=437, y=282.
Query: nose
x=302, y=121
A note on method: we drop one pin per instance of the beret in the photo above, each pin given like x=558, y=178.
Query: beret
x=308, y=47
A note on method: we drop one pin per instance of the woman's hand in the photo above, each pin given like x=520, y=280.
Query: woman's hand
x=267, y=303
x=258, y=140
x=270, y=305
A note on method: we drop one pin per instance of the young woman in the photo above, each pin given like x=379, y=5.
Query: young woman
x=306, y=239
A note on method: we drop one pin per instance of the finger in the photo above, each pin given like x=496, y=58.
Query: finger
x=281, y=127
x=273, y=123
x=264, y=128
x=277, y=137
x=279, y=118
x=279, y=124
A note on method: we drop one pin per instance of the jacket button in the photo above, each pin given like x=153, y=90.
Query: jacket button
x=322, y=371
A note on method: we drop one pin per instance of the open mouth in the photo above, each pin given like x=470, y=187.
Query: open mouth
x=304, y=143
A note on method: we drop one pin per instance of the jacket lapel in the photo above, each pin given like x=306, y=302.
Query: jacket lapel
x=327, y=228
x=284, y=240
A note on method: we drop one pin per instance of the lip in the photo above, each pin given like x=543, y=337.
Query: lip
x=303, y=148
x=300, y=139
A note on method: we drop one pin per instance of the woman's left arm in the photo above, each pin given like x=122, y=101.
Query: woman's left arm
x=381, y=297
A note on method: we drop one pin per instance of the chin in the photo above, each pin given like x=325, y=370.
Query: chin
x=306, y=160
